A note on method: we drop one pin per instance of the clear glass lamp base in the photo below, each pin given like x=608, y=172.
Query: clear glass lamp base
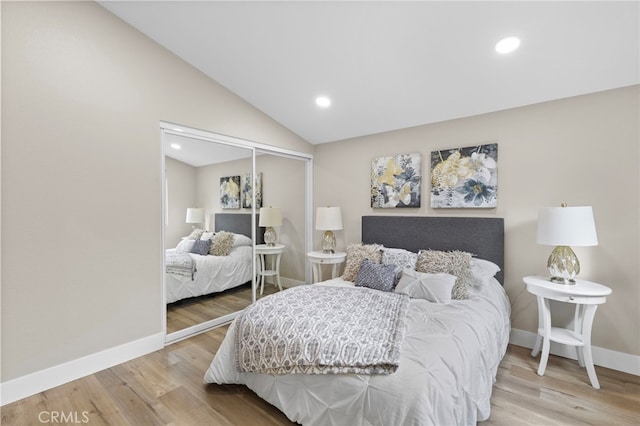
x=563, y=265
x=270, y=236
x=328, y=242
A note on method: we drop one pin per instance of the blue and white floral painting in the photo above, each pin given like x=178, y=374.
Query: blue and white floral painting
x=465, y=177
x=247, y=191
x=395, y=181
x=230, y=192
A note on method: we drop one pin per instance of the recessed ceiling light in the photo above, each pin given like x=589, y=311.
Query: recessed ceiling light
x=175, y=146
x=507, y=45
x=323, y=101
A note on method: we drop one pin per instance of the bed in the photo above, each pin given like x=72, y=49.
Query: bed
x=190, y=275
x=449, y=353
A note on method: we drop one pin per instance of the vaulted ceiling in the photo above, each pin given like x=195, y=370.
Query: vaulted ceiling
x=390, y=65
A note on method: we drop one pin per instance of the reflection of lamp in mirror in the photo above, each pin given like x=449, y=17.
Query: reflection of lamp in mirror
x=563, y=227
x=328, y=219
x=270, y=217
x=195, y=215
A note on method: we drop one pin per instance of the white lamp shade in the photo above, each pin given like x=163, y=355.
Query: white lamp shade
x=328, y=219
x=270, y=216
x=195, y=215
x=566, y=226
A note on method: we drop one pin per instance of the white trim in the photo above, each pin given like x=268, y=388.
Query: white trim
x=176, y=336
x=619, y=361
x=290, y=282
x=42, y=380
x=190, y=132
x=308, y=213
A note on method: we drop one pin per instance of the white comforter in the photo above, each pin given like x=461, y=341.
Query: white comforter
x=448, y=363
x=213, y=274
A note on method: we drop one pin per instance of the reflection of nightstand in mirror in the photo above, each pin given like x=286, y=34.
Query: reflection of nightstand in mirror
x=275, y=251
x=318, y=258
x=586, y=296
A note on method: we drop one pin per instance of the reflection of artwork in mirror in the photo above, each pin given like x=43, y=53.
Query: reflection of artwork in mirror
x=230, y=192
x=247, y=189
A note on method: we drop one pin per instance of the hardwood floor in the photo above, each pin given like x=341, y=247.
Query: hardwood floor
x=165, y=388
x=563, y=396
x=196, y=310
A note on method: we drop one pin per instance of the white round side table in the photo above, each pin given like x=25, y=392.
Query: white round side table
x=319, y=258
x=262, y=251
x=586, y=296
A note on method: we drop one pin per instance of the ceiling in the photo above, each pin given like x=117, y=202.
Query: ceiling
x=391, y=65
x=198, y=153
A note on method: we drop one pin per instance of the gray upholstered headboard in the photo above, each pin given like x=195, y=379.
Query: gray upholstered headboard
x=483, y=237
x=239, y=223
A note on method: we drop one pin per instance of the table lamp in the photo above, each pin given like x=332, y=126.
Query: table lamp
x=564, y=227
x=270, y=217
x=328, y=219
x=195, y=215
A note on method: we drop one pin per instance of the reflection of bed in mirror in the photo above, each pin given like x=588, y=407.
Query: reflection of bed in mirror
x=191, y=275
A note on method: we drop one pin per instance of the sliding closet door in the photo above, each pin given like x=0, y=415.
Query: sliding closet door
x=204, y=177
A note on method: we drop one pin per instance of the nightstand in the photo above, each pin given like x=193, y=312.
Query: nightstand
x=275, y=251
x=586, y=296
x=318, y=258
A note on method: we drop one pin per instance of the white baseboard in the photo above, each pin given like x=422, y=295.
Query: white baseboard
x=619, y=361
x=31, y=384
x=289, y=282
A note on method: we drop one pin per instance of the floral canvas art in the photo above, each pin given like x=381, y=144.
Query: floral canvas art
x=247, y=191
x=465, y=177
x=395, y=181
x=230, y=192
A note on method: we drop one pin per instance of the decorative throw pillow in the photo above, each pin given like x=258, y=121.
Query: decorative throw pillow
x=195, y=234
x=454, y=262
x=356, y=253
x=376, y=275
x=400, y=258
x=421, y=285
x=201, y=247
x=185, y=245
x=221, y=243
x=482, y=271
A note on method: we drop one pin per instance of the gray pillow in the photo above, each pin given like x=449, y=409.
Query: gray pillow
x=201, y=247
x=376, y=275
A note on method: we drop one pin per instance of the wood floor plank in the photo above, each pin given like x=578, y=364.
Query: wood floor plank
x=166, y=388
x=189, y=312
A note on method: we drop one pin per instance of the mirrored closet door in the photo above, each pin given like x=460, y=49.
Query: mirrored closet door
x=218, y=184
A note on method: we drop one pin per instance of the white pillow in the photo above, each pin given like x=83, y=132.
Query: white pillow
x=185, y=245
x=206, y=235
x=240, y=240
x=482, y=271
x=422, y=285
x=400, y=258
